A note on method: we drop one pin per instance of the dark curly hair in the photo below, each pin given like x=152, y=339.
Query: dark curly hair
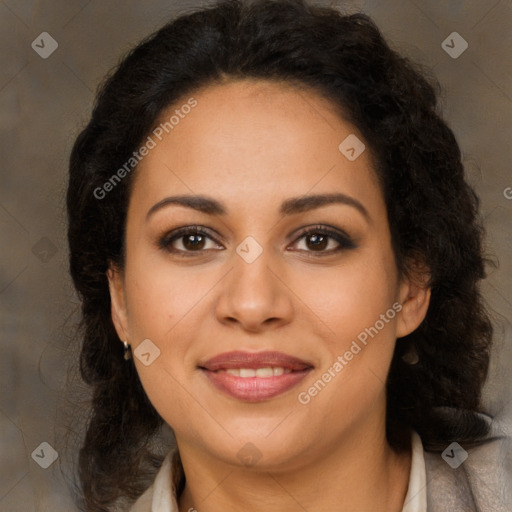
x=432, y=212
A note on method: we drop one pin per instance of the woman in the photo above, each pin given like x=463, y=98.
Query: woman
x=278, y=257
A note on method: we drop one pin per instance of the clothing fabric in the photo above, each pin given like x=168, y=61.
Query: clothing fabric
x=161, y=495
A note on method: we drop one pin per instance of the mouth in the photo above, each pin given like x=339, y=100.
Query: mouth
x=254, y=377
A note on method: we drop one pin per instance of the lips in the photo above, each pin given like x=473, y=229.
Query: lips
x=254, y=377
x=254, y=360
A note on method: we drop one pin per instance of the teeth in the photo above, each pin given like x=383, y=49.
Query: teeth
x=267, y=371
x=264, y=372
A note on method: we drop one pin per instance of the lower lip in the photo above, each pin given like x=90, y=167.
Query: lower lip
x=254, y=389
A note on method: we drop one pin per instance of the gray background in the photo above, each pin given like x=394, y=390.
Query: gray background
x=43, y=104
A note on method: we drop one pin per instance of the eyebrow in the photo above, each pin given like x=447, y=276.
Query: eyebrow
x=291, y=206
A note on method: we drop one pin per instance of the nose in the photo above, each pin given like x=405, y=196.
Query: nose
x=254, y=296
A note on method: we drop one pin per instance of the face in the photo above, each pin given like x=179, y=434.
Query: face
x=269, y=292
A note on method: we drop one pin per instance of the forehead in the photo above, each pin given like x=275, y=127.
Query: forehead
x=253, y=137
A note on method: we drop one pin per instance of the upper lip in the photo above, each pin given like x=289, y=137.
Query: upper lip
x=254, y=360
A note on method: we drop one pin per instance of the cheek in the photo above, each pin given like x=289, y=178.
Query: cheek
x=160, y=295
x=356, y=303
x=353, y=296
x=159, y=302
x=167, y=391
x=166, y=304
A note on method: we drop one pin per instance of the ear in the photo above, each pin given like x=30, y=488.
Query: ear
x=414, y=296
x=118, y=301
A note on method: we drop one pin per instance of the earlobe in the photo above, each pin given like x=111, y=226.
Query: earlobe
x=118, y=302
x=415, y=299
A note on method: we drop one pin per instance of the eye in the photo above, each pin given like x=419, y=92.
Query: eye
x=195, y=239
x=190, y=239
x=322, y=240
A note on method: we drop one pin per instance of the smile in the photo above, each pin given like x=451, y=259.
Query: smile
x=254, y=377
x=259, y=372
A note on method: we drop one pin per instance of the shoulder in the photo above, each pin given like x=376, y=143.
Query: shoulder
x=478, y=478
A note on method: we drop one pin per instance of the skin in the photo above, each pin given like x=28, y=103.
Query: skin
x=251, y=145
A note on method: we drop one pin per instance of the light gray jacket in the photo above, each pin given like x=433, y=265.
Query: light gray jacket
x=482, y=483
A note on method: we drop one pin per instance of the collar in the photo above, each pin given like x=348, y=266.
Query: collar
x=416, y=497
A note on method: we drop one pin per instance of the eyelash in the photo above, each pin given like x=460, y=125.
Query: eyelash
x=344, y=241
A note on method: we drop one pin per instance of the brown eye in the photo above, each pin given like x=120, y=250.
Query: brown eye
x=188, y=240
x=316, y=241
x=193, y=242
x=321, y=240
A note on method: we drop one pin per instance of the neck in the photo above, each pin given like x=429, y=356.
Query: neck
x=363, y=474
